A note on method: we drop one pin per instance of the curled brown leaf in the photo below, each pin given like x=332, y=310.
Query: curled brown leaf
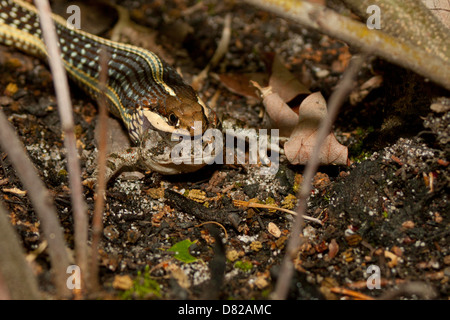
x=299, y=148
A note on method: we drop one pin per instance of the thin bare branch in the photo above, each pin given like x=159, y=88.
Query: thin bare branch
x=97, y=220
x=424, y=62
x=42, y=203
x=222, y=49
x=66, y=115
x=14, y=269
x=248, y=204
x=336, y=99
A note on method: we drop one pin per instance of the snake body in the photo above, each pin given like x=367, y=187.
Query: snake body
x=147, y=94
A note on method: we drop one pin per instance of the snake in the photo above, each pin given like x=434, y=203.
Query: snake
x=148, y=95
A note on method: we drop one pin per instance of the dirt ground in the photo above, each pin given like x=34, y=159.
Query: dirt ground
x=388, y=209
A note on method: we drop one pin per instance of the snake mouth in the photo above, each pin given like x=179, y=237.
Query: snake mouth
x=182, y=160
x=180, y=152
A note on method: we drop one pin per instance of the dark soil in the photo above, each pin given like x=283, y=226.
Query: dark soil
x=389, y=208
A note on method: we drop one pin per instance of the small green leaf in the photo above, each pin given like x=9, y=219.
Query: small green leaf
x=181, y=250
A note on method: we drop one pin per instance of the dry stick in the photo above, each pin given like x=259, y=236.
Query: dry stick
x=42, y=203
x=355, y=33
x=248, y=204
x=97, y=220
x=14, y=269
x=65, y=112
x=336, y=99
x=409, y=21
x=222, y=49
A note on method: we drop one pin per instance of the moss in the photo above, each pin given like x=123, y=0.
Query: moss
x=144, y=287
x=357, y=149
x=244, y=265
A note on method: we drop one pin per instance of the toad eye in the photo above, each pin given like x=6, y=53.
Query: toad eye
x=173, y=120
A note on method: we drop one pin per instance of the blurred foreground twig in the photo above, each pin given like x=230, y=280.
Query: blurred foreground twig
x=42, y=203
x=97, y=219
x=66, y=116
x=14, y=269
x=336, y=99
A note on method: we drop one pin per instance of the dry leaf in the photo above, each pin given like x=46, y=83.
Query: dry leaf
x=240, y=83
x=280, y=114
x=299, y=148
x=284, y=83
x=281, y=80
x=274, y=230
x=441, y=9
x=333, y=249
x=393, y=259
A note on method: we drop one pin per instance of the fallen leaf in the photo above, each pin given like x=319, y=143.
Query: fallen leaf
x=281, y=80
x=284, y=83
x=280, y=114
x=299, y=148
x=274, y=230
x=239, y=83
x=440, y=8
x=393, y=259
x=333, y=249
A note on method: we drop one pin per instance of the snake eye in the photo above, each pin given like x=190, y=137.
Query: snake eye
x=173, y=120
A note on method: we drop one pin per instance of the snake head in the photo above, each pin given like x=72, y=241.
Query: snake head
x=161, y=126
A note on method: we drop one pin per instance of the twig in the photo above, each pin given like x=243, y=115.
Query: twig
x=222, y=48
x=42, y=203
x=65, y=113
x=214, y=222
x=410, y=22
x=265, y=206
x=97, y=219
x=324, y=20
x=31, y=256
x=354, y=294
x=15, y=271
x=336, y=99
